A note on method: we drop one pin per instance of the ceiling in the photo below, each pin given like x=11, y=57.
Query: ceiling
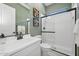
x=47, y=4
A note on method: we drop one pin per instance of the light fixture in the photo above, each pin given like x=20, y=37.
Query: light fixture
x=28, y=19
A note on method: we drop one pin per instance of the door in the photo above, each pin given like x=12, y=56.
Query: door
x=64, y=37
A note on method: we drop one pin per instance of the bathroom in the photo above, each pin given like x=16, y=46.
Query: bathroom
x=32, y=29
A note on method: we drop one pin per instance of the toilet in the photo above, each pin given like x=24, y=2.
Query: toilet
x=46, y=50
x=45, y=47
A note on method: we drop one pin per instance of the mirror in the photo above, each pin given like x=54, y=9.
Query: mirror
x=24, y=27
x=7, y=20
x=21, y=28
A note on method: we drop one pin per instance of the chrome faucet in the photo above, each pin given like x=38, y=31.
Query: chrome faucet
x=2, y=35
x=20, y=36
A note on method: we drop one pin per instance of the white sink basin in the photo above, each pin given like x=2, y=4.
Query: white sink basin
x=2, y=41
x=11, y=39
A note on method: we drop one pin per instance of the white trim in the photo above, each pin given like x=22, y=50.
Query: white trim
x=26, y=6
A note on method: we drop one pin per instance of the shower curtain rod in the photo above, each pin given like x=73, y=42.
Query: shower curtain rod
x=59, y=12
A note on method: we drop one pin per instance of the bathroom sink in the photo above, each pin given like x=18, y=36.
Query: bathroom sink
x=2, y=41
x=26, y=36
x=11, y=39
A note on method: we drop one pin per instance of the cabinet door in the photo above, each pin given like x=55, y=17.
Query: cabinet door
x=64, y=25
x=31, y=50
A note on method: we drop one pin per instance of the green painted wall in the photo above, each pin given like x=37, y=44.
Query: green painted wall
x=21, y=14
x=36, y=30
x=57, y=6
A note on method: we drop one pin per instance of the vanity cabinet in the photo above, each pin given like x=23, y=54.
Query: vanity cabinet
x=31, y=50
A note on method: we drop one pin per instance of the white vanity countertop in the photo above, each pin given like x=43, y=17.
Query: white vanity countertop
x=16, y=45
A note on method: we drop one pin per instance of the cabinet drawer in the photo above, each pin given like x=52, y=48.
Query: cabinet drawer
x=33, y=49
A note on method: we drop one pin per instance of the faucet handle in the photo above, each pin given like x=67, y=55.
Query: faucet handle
x=15, y=33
